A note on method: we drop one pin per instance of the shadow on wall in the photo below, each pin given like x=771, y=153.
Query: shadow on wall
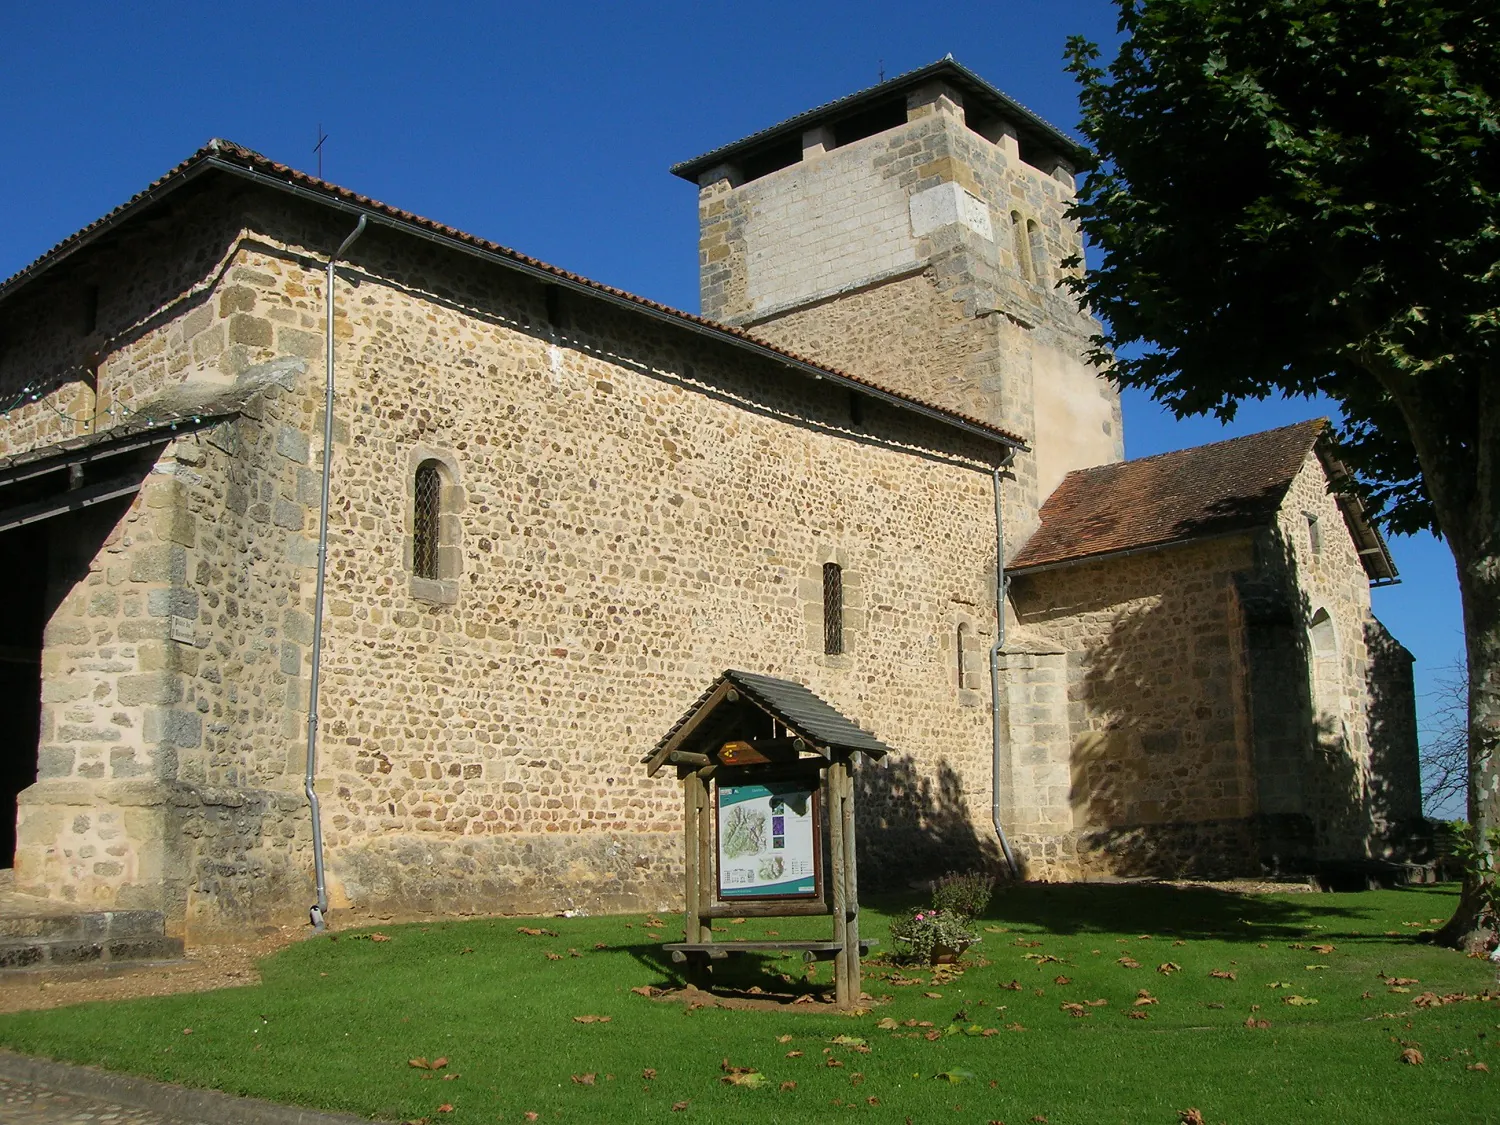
x=1202, y=749
x=915, y=825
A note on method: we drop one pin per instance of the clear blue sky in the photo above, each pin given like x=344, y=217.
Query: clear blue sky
x=545, y=127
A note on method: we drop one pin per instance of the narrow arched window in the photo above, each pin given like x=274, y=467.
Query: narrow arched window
x=1038, y=247
x=833, y=609
x=1018, y=244
x=961, y=641
x=427, y=518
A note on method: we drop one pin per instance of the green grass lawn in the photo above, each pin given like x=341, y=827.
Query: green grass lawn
x=336, y=1020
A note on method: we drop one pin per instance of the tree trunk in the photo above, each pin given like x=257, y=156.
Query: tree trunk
x=1479, y=585
x=1458, y=447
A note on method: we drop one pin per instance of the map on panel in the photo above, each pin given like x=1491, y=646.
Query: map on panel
x=767, y=846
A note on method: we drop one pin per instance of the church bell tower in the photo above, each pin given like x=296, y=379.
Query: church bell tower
x=913, y=234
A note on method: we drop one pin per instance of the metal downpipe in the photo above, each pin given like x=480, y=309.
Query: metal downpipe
x=996, y=748
x=318, y=912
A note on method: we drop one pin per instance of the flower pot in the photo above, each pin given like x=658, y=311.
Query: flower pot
x=946, y=954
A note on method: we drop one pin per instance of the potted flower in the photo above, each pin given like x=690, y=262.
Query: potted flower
x=934, y=936
x=941, y=932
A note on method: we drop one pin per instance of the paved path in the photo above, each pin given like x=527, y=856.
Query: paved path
x=24, y=1104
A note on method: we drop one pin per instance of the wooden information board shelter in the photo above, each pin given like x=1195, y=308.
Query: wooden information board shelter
x=768, y=819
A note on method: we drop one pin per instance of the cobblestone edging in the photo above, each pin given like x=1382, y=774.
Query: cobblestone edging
x=159, y=1097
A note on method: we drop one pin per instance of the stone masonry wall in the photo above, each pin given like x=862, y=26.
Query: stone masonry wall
x=1157, y=717
x=631, y=511
x=1330, y=579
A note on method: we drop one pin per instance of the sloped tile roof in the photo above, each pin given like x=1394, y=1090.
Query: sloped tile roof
x=1154, y=501
x=226, y=156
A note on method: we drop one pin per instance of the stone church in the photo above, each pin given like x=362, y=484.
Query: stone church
x=558, y=511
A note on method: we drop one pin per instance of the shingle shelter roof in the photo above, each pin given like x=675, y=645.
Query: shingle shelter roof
x=792, y=704
x=226, y=157
x=1196, y=493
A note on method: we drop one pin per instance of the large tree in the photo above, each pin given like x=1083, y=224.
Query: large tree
x=1300, y=196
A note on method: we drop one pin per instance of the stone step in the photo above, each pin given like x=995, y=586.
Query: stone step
x=37, y=954
x=57, y=938
x=79, y=925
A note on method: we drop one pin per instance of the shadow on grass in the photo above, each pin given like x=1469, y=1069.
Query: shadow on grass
x=743, y=974
x=1189, y=912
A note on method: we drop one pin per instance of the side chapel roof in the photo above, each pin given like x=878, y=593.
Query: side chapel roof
x=225, y=157
x=1199, y=493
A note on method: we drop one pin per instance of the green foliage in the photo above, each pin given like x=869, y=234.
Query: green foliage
x=334, y=1023
x=1303, y=196
x=964, y=893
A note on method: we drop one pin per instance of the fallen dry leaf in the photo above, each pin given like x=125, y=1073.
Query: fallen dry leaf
x=1412, y=1057
x=592, y=1019
x=438, y=1064
x=420, y=1064
x=1075, y=1010
x=1129, y=962
x=1255, y=1024
x=794, y=1054
x=1190, y=1116
x=1062, y=980
x=677, y=1107
x=649, y=1073
x=833, y=1062
x=644, y=990
x=1324, y=948
x=887, y=1024
x=1478, y=1066
x=1013, y=986
x=382, y=937
x=1167, y=968
x=789, y=1085
x=583, y=1079
x=1221, y=974
x=446, y=1107
x=1135, y=1013
x=933, y=995
x=1144, y=997
x=532, y=1115
x=742, y=1077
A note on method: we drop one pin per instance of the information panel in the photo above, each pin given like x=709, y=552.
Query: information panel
x=768, y=840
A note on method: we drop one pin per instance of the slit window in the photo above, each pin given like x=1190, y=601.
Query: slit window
x=962, y=640
x=833, y=609
x=1018, y=243
x=1314, y=535
x=1038, y=247
x=427, y=514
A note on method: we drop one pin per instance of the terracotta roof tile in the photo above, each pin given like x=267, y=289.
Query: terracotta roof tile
x=1189, y=494
x=227, y=155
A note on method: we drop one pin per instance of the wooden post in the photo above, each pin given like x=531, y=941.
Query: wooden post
x=836, y=854
x=851, y=876
x=691, y=907
x=707, y=861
